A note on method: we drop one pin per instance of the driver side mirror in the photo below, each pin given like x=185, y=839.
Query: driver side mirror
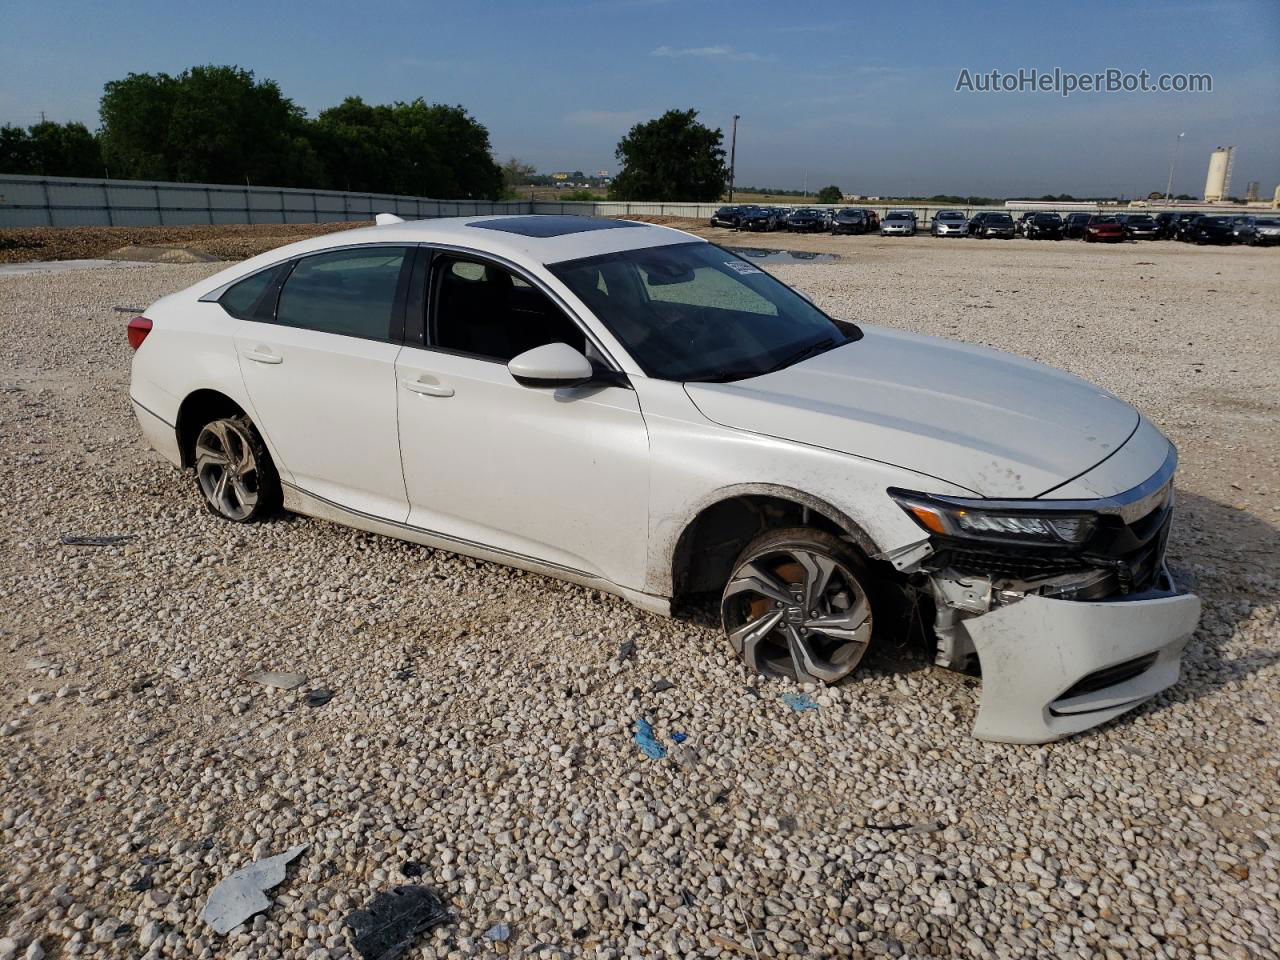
x=551, y=365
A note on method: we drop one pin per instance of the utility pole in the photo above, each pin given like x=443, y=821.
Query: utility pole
x=1168, y=192
x=733, y=154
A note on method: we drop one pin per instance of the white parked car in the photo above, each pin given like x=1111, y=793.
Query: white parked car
x=642, y=412
x=949, y=223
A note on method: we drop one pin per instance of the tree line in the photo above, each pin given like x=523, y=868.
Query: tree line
x=219, y=124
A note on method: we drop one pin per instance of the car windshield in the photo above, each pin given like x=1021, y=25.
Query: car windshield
x=1047, y=218
x=898, y=216
x=1000, y=218
x=694, y=311
x=950, y=215
x=1266, y=223
x=1217, y=221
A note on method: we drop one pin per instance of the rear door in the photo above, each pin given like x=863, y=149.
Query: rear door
x=321, y=376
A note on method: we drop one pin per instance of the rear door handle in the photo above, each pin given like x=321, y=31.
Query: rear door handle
x=428, y=388
x=262, y=355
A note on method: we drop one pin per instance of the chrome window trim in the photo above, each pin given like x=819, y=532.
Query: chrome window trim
x=1133, y=504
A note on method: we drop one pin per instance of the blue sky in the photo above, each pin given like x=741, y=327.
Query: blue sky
x=857, y=94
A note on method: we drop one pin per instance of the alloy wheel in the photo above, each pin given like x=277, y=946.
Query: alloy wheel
x=796, y=612
x=226, y=468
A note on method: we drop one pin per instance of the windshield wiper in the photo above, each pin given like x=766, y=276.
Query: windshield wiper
x=812, y=350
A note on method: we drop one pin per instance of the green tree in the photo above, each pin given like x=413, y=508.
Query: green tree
x=50, y=150
x=671, y=158
x=831, y=194
x=413, y=148
x=212, y=124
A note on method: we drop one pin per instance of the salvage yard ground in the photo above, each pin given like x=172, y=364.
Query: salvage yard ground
x=481, y=722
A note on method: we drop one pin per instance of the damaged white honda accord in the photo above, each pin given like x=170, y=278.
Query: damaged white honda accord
x=639, y=411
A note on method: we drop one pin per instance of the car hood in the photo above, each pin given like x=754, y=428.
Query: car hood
x=988, y=421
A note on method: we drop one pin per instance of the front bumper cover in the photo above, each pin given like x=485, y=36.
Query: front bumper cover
x=1051, y=668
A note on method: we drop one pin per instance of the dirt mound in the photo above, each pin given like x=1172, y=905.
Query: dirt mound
x=218, y=242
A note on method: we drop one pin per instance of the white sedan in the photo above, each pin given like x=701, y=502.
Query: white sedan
x=636, y=410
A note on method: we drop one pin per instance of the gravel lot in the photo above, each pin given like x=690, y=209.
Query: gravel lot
x=481, y=718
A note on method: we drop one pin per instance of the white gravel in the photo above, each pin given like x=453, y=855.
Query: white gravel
x=481, y=722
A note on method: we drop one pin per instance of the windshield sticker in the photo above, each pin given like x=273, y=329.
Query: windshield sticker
x=742, y=268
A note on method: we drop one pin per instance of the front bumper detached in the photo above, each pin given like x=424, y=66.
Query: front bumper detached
x=1051, y=668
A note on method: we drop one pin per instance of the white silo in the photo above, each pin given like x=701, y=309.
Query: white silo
x=1215, y=184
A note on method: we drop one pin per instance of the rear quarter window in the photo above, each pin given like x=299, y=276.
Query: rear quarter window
x=243, y=300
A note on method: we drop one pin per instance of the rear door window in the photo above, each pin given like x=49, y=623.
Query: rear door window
x=348, y=292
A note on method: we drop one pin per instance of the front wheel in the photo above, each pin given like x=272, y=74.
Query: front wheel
x=799, y=605
x=234, y=471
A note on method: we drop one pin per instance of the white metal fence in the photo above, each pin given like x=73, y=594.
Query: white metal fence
x=74, y=202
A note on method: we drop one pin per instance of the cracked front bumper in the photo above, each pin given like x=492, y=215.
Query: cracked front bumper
x=1051, y=668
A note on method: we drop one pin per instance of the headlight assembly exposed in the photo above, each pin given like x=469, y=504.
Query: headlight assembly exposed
x=963, y=519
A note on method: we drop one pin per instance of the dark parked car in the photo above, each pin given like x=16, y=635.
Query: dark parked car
x=988, y=224
x=726, y=217
x=1073, y=226
x=1166, y=223
x=1140, y=226
x=755, y=218
x=1043, y=226
x=1185, y=223
x=806, y=220
x=849, y=220
x=1212, y=230
x=1104, y=228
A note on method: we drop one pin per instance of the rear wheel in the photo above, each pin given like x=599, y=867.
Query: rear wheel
x=799, y=605
x=234, y=471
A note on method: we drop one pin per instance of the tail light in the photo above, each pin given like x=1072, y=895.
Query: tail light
x=137, y=330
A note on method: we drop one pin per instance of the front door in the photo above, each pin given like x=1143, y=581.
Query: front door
x=558, y=475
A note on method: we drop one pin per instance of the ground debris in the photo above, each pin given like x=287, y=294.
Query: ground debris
x=238, y=897
x=92, y=540
x=387, y=927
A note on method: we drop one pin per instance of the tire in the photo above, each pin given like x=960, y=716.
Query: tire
x=800, y=605
x=234, y=471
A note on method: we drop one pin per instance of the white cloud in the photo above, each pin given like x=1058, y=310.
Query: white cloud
x=727, y=53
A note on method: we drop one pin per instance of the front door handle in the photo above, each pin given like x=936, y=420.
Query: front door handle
x=262, y=355
x=428, y=388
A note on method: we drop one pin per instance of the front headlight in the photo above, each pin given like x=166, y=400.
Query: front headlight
x=971, y=520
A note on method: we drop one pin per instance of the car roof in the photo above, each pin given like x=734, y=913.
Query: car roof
x=523, y=239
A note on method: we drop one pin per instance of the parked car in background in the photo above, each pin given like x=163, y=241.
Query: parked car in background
x=755, y=218
x=1073, y=226
x=780, y=215
x=990, y=224
x=1043, y=226
x=727, y=217
x=1140, y=226
x=806, y=220
x=1104, y=228
x=631, y=408
x=1264, y=231
x=1241, y=227
x=1212, y=229
x=849, y=220
x=1184, y=227
x=898, y=223
x=1020, y=225
x=1166, y=223
x=949, y=223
